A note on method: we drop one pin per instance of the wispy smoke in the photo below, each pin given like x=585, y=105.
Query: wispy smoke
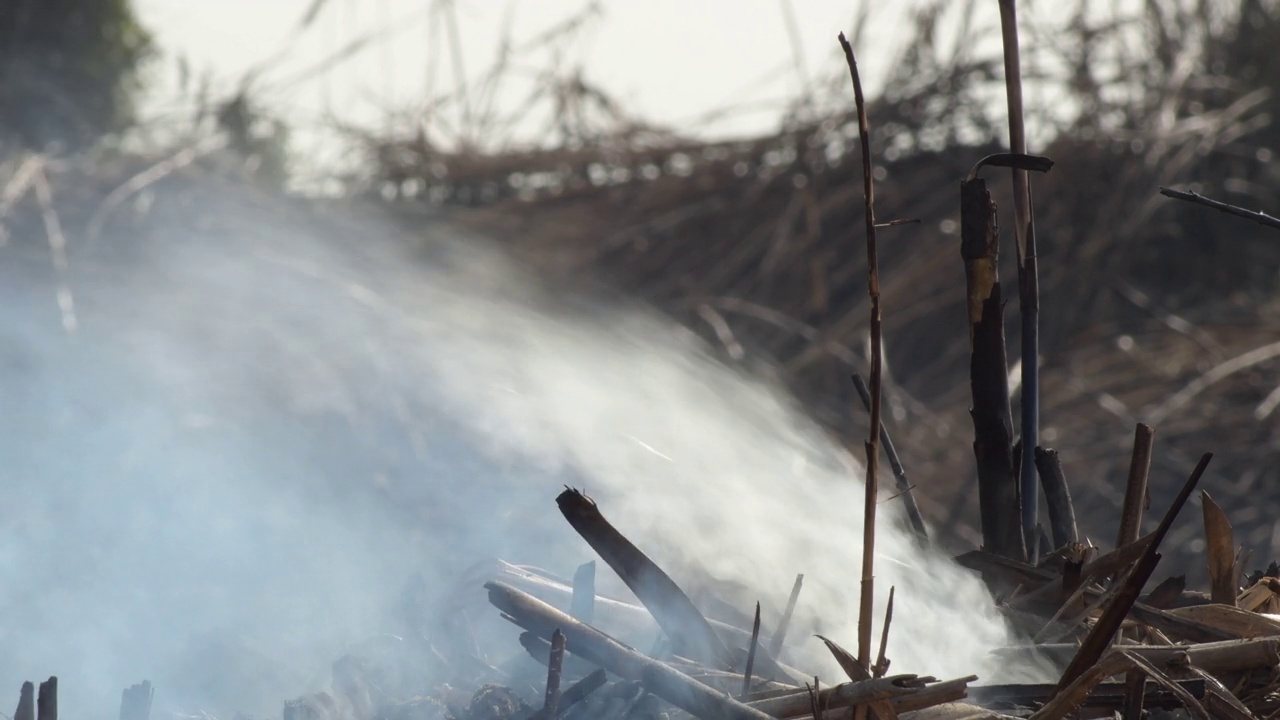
x=260, y=430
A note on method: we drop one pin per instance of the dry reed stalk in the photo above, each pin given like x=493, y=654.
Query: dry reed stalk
x=1136, y=496
x=873, y=439
x=1028, y=279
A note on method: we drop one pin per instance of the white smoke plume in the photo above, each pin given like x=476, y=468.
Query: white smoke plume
x=262, y=427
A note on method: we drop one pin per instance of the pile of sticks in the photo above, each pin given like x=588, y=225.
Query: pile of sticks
x=709, y=670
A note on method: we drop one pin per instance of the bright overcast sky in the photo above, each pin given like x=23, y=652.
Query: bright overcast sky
x=669, y=60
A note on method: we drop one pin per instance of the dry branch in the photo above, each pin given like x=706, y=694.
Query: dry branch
x=1255, y=215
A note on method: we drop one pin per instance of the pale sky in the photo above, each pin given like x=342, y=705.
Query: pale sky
x=670, y=61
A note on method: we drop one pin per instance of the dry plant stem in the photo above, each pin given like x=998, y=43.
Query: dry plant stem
x=1256, y=216
x=555, y=666
x=882, y=661
x=895, y=463
x=1220, y=548
x=690, y=633
x=1028, y=280
x=1104, y=631
x=780, y=634
x=873, y=439
x=659, y=678
x=1135, y=494
x=751, y=653
x=1057, y=496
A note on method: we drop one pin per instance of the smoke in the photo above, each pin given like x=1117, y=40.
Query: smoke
x=263, y=426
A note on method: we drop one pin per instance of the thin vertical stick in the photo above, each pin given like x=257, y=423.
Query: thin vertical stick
x=1028, y=276
x=882, y=662
x=751, y=654
x=873, y=439
x=555, y=667
x=1135, y=493
x=780, y=634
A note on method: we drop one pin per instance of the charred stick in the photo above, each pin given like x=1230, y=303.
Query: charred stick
x=555, y=665
x=1135, y=494
x=658, y=677
x=1105, y=629
x=780, y=634
x=872, y=486
x=1057, y=496
x=576, y=693
x=690, y=633
x=26, y=702
x=895, y=463
x=751, y=653
x=989, y=373
x=540, y=650
x=47, y=700
x=882, y=661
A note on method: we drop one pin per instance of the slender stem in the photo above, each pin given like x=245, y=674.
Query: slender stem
x=873, y=439
x=1028, y=280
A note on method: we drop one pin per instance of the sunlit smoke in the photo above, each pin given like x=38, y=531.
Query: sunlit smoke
x=222, y=480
